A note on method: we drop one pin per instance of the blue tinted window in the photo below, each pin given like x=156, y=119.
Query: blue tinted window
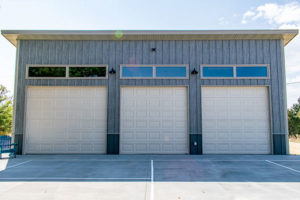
x=251, y=71
x=137, y=71
x=170, y=71
x=217, y=71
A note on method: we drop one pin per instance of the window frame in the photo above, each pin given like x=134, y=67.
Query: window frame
x=154, y=70
x=234, y=71
x=67, y=71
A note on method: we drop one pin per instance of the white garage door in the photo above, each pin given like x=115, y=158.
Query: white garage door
x=235, y=120
x=66, y=120
x=153, y=120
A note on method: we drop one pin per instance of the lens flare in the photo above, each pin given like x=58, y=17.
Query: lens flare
x=118, y=34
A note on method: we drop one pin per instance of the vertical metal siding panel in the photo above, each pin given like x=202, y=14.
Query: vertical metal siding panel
x=166, y=52
x=253, y=82
x=85, y=52
x=267, y=45
x=261, y=82
x=65, y=52
x=126, y=52
x=192, y=89
x=285, y=144
x=232, y=52
x=58, y=52
x=153, y=54
x=277, y=53
x=45, y=51
x=212, y=52
x=227, y=82
x=146, y=52
x=79, y=52
x=256, y=56
x=172, y=59
x=239, y=50
x=105, y=52
x=31, y=53
x=199, y=57
x=225, y=52
x=252, y=52
x=132, y=49
x=99, y=52
x=72, y=52
x=206, y=54
x=92, y=52
x=246, y=52
x=199, y=61
x=119, y=58
x=246, y=81
x=259, y=52
x=185, y=53
x=219, y=52
x=192, y=55
x=178, y=52
x=52, y=52
x=39, y=59
x=159, y=52
x=111, y=89
x=139, y=52
x=20, y=103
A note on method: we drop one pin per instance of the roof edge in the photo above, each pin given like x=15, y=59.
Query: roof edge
x=13, y=35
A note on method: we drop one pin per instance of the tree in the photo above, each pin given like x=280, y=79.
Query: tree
x=294, y=119
x=6, y=112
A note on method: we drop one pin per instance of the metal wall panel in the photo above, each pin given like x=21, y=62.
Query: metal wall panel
x=194, y=53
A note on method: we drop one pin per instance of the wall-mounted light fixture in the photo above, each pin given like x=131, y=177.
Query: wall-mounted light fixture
x=112, y=71
x=194, y=71
x=153, y=49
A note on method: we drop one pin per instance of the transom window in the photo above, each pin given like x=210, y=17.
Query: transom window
x=49, y=72
x=66, y=71
x=154, y=71
x=234, y=71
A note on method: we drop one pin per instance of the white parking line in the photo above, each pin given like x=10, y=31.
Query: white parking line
x=152, y=182
x=72, y=178
x=16, y=165
x=283, y=166
x=166, y=160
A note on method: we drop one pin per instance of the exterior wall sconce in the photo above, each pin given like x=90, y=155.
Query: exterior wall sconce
x=153, y=49
x=194, y=71
x=112, y=71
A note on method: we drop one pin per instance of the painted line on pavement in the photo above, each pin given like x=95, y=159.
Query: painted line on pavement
x=294, y=170
x=152, y=182
x=180, y=160
x=67, y=178
x=16, y=165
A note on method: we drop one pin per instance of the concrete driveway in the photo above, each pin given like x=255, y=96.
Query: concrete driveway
x=150, y=177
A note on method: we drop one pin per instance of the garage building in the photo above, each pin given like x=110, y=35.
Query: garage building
x=150, y=92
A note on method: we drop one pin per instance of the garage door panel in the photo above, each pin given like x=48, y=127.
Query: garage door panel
x=63, y=118
x=235, y=120
x=159, y=123
x=154, y=135
x=154, y=124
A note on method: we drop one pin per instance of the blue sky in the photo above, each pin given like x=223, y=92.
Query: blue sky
x=150, y=15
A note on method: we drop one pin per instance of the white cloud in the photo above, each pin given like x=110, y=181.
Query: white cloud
x=272, y=12
x=222, y=21
x=284, y=16
x=247, y=15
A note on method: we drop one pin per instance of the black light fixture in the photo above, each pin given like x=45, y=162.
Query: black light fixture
x=153, y=49
x=194, y=71
x=112, y=71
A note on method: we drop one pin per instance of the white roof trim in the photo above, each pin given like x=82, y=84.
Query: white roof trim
x=13, y=35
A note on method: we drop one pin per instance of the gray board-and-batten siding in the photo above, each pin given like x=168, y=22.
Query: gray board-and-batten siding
x=191, y=52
